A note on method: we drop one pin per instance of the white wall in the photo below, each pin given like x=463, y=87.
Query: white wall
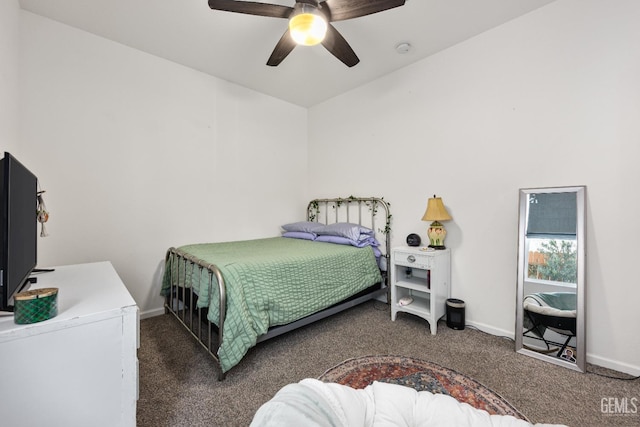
x=9, y=25
x=550, y=99
x=138, y=154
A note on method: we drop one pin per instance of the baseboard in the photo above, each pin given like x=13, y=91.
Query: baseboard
x=613, y=364
x=594, y=360
x=491, y=330
x=152, y=313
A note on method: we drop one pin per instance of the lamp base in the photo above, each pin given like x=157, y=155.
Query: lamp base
x=438, y=247
x=436, y=233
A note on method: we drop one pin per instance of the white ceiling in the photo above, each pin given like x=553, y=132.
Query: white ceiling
x=235, y=47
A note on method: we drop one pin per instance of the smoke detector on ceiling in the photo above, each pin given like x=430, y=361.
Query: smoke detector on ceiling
x=403, y=47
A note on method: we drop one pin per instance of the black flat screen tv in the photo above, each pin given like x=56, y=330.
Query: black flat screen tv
x=18, y=228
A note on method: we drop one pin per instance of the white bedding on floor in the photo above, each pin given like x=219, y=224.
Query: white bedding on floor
x=312, y=403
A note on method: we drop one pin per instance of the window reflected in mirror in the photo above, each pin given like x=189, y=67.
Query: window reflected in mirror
x=552, y=260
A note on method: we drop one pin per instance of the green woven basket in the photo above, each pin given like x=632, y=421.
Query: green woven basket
x=35, y=305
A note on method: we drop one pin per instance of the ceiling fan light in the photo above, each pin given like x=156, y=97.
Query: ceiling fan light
x=307, y=28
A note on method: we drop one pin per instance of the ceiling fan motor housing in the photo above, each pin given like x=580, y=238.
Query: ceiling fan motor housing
x=330, y=10
x=308, y=26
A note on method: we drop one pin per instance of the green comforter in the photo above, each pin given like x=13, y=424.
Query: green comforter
x=276, y=281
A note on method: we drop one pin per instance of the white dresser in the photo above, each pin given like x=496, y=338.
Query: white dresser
x=79, y=368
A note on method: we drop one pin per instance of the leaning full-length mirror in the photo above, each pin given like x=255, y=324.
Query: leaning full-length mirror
x=550, y=304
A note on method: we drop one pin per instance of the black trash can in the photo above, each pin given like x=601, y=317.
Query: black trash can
x=455, y=313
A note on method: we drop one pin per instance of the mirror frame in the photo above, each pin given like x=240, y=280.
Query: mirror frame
x=523, y=257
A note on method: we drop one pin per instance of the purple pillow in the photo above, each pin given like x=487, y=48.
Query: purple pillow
x=299, y=235
x=304, y=226
x=367, y=241
x=344, y=229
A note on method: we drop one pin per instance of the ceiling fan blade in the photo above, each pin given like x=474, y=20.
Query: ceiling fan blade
x=252, y=8
x=348, y=9
x=282, y=49
x=338, y=46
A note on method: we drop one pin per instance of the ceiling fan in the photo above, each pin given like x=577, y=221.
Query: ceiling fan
x=310, y=22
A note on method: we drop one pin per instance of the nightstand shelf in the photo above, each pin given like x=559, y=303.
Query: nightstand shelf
x=420, y=306
x=417, y=284
x=423, y=275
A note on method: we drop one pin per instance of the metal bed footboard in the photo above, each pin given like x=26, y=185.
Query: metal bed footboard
x=181, y=301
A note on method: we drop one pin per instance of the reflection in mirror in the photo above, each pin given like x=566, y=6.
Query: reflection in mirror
x=550, y=306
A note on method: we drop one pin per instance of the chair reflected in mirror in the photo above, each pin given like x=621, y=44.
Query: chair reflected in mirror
x=549, y=316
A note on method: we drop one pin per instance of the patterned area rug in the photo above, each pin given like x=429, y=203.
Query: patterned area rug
x=420, y=375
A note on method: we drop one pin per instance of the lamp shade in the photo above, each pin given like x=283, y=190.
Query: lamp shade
x=436, y=210
x=308, y=28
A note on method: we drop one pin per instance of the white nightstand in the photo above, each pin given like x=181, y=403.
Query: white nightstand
x=425, y=276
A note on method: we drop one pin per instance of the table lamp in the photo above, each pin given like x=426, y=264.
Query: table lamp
x=436, y=212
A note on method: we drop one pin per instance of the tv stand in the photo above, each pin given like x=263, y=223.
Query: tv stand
x=27, y=286
x=79, y=368
x=43, y=270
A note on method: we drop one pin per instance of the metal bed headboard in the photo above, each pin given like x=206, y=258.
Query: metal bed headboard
x=371, y=212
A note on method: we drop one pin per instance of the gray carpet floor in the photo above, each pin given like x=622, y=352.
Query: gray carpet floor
x=179, y=387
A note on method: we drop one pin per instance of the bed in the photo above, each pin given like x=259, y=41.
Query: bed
x=232, y=295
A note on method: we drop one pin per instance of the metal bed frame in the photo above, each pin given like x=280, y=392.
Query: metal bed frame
x=182, y=302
